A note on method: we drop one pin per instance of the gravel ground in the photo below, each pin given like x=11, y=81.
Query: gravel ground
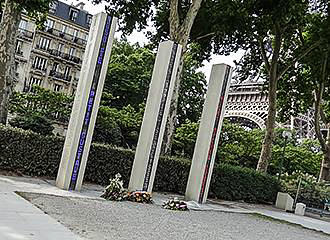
x=100, y=220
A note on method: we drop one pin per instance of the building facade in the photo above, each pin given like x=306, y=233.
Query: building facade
x=51, y=57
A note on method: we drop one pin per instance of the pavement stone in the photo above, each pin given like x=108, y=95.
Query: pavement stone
x=20, y=220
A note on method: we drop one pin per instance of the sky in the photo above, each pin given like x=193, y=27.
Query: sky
x=140, y=37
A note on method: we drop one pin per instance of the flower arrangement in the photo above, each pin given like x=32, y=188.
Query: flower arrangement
x=175, y=204
x=115, y=190
x=139, y=196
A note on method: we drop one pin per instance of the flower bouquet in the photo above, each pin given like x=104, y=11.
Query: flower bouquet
x=175, y=204
x=115, y=190
x=139, y=196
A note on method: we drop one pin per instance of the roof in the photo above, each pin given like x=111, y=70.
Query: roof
x=63, y=11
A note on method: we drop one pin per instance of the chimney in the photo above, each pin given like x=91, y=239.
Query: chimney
x=80, y=5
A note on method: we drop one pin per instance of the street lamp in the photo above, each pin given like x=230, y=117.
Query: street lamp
x=286, y=135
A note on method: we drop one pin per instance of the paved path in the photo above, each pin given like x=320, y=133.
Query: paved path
x=20, y=220
x=90, y=216
x=304, y=221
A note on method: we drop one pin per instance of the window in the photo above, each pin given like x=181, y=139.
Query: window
x=67, y=71
x=63, y=28
x=44, y=43
x=57, y=87
x=53, y=6
x=18, y=49
x=49, y=24
x=23, y=25
x=89, y=20
x=55, y=67
x=60, y=47
x=40, y=63
x=72, y=52
x=33, y=81
x=75, y=34
x=73, y=14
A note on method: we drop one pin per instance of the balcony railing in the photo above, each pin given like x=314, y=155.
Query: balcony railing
x=42, y=47
x=65, y=56
x=59, y=75
x=66, y=36
x=25, y=33
x=39, y=68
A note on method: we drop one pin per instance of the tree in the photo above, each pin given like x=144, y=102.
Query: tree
x=129, y=74
x=42, y=102
x=241, y=147
x=193, y=89
x=309, y=81
x=181, y=18
x=271, y=34
x=9, y=27
x=119, y=127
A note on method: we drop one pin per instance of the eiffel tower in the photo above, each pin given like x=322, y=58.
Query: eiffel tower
x=247, y=105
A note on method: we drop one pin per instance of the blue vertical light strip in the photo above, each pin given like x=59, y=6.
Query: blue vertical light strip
x=214, y=134
x=90, y=103
x=160, y=118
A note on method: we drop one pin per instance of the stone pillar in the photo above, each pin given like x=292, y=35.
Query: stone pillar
x=208, y=134
x=87, y=100
x=155, y=116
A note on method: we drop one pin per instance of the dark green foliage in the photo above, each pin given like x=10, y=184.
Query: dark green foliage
x=129, y=74
x=106, y=128
x=42, y=102
x=192, y=88
x=36, y=155
x=118, y=127
x=241, y=147
x=236, y=183
x=33, y=122
x=312, y=192
x=185, y=139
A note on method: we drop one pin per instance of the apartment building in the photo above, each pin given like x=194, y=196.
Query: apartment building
x=51, y=57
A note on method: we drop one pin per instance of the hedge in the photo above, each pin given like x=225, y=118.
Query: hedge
x=32, y=154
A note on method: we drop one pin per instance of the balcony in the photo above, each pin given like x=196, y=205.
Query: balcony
x=79, y=41
x=65, y=36
x=41, y=68
x=59, y=75
x=25, y=33
x=43, y=48
x=65, y=56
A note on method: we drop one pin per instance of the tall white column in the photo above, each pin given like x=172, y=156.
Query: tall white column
x=87, y=100
x=155, y=116
x=208, y=134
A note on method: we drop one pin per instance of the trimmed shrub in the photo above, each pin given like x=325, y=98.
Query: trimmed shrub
x=237, y=183
x=34, y=122
x=36, y=155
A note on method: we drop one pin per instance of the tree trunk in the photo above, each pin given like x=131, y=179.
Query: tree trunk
x=325, y=166
x=180, y=34
x=325, y=143
x=266, y=151
x=9, y=27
